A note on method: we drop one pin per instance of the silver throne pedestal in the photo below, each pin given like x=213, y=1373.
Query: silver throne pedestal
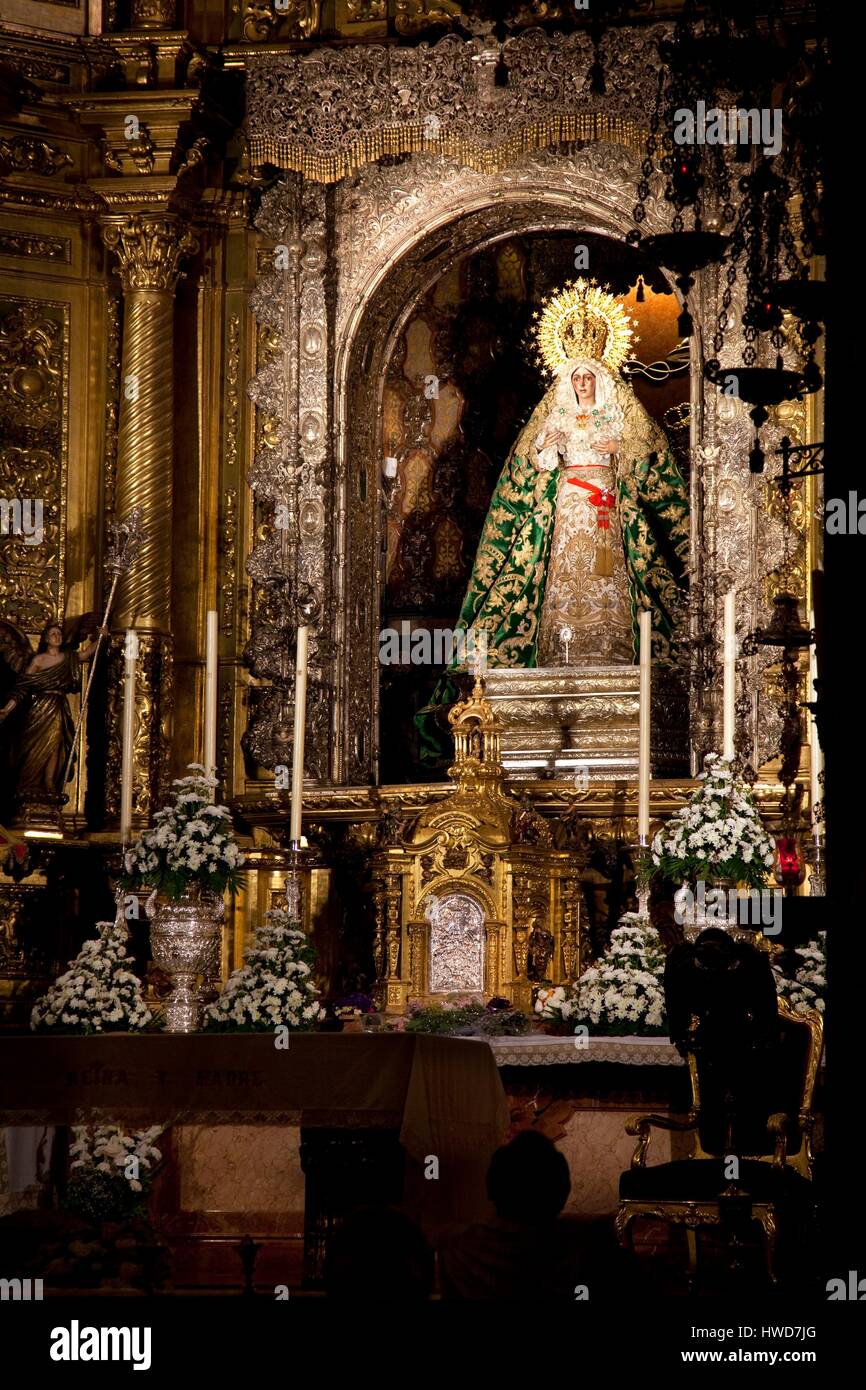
x=566, y=721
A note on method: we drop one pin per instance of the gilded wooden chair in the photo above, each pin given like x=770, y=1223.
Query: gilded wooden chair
x=773, y=1179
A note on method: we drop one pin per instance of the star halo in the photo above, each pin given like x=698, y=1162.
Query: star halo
x=577, y=321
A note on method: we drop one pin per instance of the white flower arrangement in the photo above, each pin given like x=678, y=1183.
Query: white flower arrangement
x=110, y=1170
x=554, y=1004
x=717, y=834
x=808, y=987
x=98, y=993
x=274, y=987
x=191, y=842
x=622, y=993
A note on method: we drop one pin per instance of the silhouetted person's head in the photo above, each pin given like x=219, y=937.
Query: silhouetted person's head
x=720, y=995
x=379, y=1253
x=528, y=1179
x=715, y=949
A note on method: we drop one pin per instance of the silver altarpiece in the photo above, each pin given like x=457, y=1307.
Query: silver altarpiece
x=356, y=244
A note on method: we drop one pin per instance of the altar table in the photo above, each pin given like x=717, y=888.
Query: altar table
x=372, y=1109
x=273, y=1143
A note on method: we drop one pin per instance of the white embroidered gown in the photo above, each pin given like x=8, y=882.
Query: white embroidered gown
x=595, y=606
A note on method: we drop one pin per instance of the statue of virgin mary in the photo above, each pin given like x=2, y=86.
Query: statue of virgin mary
x=588, y=523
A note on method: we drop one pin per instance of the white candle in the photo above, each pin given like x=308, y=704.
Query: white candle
x=729, y=690
x=210, y=693
x=816, y=757
x=643, y=787
x=130, y=652
x=300, y=727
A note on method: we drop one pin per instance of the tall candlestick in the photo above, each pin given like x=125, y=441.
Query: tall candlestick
x=210, y=693
x=729, y=690
x=130, y=652
x=816, y=757
x=643, y=789
x=300, y=727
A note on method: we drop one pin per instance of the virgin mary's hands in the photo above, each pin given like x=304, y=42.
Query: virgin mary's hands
x=553, y=437
x=607, y=446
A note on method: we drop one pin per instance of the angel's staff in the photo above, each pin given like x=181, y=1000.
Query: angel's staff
x=127, y=538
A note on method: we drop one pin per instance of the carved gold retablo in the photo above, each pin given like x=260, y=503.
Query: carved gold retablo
x=472, y=898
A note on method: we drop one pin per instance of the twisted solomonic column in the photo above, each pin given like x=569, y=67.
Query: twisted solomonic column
x=149, y=247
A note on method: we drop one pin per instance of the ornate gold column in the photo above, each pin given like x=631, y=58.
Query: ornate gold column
x=379, y=954
x=149, y=247
x=570, y=942
x=395, y=985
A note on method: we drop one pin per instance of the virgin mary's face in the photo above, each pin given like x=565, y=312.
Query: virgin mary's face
x=583, y=382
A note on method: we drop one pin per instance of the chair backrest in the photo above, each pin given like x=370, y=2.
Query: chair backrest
x=719, y=990
x=778, y=1079
x=750, y=1055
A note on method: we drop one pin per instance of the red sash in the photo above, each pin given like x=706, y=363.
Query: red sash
x=599, y=497
x=602, y=500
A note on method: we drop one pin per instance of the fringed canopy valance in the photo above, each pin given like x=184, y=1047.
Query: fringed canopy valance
x=328, y=113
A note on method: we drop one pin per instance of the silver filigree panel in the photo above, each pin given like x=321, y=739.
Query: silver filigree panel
x=456, y=950
x=747, y=542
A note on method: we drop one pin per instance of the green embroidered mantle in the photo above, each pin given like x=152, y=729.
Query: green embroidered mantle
x=506, y=589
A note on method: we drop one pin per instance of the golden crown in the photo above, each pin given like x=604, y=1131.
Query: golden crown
x=583, y=320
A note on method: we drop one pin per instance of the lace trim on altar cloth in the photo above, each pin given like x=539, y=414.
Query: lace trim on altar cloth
x=545, y=1051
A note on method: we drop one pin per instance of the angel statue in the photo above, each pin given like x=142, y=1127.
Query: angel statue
x=35, y=722
x=588, y=523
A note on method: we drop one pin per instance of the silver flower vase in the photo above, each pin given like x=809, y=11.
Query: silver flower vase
x=185, y=939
